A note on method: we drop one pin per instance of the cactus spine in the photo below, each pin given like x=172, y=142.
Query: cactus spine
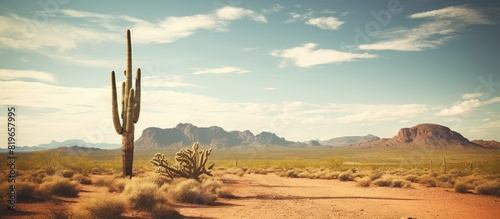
x=131, y=105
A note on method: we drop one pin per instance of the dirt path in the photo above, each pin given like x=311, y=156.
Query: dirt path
x=271, y=196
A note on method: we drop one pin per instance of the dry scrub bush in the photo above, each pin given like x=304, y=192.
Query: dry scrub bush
x=427, y=180
x=346, y=176
x=192, y=191
x=57, y=185
x=163, y=210
x=236, y=171
x=67, y=173
x=412, y=178
x=26, y=190
x=489, y=188
x=142, y=195
x=383, y=182
x=82, y=179
x=364, y=182
x=399, y=183
x=461, y=187
x=99, y=206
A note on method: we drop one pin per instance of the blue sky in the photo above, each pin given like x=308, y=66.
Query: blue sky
x=301, y=69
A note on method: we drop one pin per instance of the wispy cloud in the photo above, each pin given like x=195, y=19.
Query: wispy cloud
x=381, y=113
x=471, y=95
x=222, y=70
x=14, y=75
x=170, y=29
x=276, y=8
x=307, y=55
x=466, y=107
x=269, y=88
x=439, y=27
x=325, y=23
x=165, y=82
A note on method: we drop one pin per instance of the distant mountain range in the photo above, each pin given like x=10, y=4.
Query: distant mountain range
x=185, y=134
x=68, y=143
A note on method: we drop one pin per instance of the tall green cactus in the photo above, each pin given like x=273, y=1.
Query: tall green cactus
x=131, y=106
x=191, y=163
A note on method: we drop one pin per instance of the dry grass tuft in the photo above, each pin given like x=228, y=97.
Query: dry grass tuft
x=142, y=195
x=99, y=206
x=163, y=210
x=365, y=181
x=461, y=187
x=57, y=185
x=387, y=182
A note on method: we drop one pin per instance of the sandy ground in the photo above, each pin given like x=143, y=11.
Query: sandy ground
x=271, y=196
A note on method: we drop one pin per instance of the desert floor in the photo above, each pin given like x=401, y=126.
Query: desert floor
x=271, y=196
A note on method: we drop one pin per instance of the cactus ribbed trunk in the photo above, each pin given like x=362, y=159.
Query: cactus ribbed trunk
x=131, y=105
x=127, y=152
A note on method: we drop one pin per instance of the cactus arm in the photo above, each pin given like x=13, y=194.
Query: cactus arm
x=114, y=102
x=137, y=101
x=123, y=100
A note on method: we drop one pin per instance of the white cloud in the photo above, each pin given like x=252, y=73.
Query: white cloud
x=234, y=13
x=294, y=17
x=441, y=26
x=269, y=88
x=466, y=107
x=471, y=95
x=307, y=55
x=325, y=23
x=10, y=75
x=171, y=29
x=222, y=70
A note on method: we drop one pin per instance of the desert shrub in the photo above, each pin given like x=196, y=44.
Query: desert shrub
x=59, y=186
x=461, y=187
x=489, y=188
x=142, y=195
x=383, y=182
x=163, y=210
x=192, y=191
x=85, y=181
x=104, y=181
x=427, y=180
x=99, y=206
x=412, y=178
x=444, y=178
x=399, y=183
x=365, y=181
x=67, y=173
x=118, y=185
x=236, y=171
x=26, y=190
x=346, y=176
x=376, y=175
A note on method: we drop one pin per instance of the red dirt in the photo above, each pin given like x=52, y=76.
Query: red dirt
x=271, y=196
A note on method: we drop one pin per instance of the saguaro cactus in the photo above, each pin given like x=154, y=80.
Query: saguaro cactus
x=131, y=106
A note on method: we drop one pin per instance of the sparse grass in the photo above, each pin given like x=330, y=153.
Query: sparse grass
x=399, y=183
x=163, y=210
x=99, y=206
x=192, y=191
x=67, y=173
x=142, y=195
x=57, y=185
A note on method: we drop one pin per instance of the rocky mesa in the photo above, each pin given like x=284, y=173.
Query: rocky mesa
x=425, y=136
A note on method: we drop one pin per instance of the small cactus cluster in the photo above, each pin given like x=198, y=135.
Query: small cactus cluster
x=191, y=163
